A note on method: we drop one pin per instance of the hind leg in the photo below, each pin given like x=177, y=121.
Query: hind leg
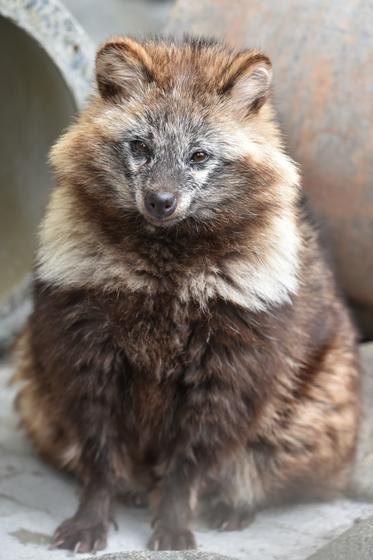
x=306, y=450
x=233, y=497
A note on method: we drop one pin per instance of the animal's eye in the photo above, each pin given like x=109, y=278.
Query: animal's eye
x=199, y=156
x=140, y=150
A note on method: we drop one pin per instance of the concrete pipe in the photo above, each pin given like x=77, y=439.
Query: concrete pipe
x=45, y=68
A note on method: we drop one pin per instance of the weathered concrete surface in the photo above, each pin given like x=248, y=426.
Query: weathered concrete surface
x=362, y=484
x=187, y=555
x=321, y=52
x=13, y=314
x=354, y=544
x=48, y=61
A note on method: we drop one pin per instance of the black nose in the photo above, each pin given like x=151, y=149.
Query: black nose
x=160, y=204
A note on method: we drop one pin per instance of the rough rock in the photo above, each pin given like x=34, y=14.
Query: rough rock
x=187, y=555
x=354, y=544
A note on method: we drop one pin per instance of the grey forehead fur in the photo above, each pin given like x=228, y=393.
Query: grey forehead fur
x=172, y=138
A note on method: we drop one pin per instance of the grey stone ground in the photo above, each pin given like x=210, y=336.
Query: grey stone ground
x=164, y=556
x=34, y=499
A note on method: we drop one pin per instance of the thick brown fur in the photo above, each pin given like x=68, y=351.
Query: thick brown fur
x=211, y=360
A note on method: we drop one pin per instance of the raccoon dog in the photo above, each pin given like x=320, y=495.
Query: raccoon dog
x=188, y=345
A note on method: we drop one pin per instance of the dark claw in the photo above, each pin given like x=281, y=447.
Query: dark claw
x=76, y=535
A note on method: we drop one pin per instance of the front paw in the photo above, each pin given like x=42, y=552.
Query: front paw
x=172, y=539
x=227, y=518
x=77, y=535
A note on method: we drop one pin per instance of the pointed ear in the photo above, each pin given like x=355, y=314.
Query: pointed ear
x=123, y=67
x=246, y=82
